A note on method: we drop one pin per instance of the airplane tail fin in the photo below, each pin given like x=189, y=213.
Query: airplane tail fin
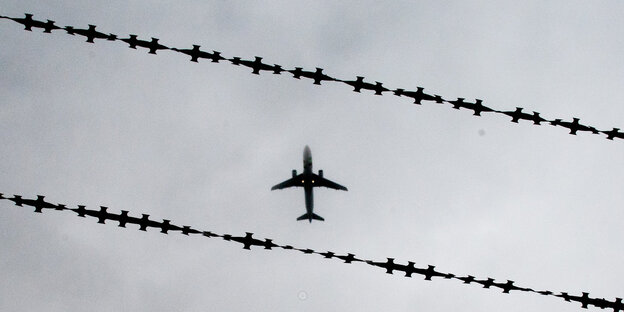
x=309, y=217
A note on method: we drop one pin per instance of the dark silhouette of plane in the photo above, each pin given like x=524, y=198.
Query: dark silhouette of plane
x=615, y=133
x=39, y=204
x=574, y=126
x=195, y=53
x=308, y=180
x=518, y=114
x=29, y=23
x=477, y=107
x=256, y=65
x=153, y=45
x=359, y=84
x=419, y=95
x=90, y=33
x=318, y=75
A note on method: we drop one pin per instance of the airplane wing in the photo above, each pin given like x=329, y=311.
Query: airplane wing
x=295, y=181
x=327, y=183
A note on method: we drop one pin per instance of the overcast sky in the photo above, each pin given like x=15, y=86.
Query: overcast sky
x=202, y=143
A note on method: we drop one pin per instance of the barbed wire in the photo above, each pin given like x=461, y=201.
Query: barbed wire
x=248, y=241
x=318, y=76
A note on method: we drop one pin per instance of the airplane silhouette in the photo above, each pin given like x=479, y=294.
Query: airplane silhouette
x=419, y=95
x=196, y=53
x=90, y=33
x=615, y=133
x=518, y=114
x=318, y=75
x=308, y=180
x=257, y=65
x=153, y=45
x=29, y=23
x=574, y=126
x=359, y=84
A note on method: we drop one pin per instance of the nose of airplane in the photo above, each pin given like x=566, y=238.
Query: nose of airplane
x=307, y=156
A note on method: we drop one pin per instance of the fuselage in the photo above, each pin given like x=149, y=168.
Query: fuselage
x=308, y=181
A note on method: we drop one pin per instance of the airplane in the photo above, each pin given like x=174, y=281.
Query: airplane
x=90, y=33
x=29, y=23
x=257, y=65
x=196, y=53
x=318, y=76
x=308, y=180
x=151, y=45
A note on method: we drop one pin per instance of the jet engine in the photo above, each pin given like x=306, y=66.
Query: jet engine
x=321, y=173
x=294, y=173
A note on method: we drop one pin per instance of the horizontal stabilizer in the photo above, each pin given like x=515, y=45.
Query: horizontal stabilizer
x=310, y=216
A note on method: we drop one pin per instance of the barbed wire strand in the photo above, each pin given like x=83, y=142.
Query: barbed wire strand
x=248, y=241
x=318, y=76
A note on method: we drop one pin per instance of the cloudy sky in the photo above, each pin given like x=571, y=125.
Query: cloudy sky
x=202, y=143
